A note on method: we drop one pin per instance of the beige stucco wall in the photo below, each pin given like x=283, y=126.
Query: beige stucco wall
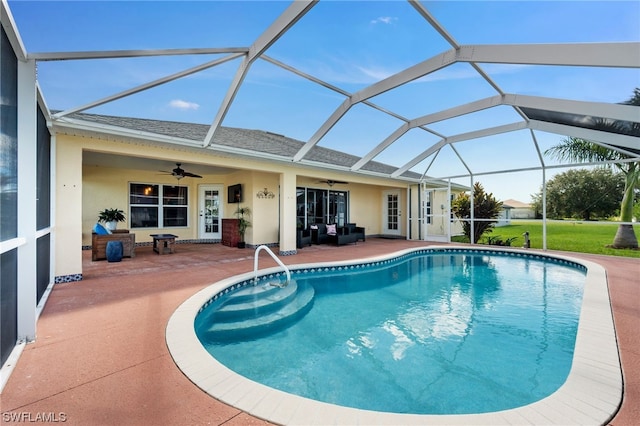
x=363, y=200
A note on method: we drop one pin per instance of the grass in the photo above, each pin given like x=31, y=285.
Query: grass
x=575, y=236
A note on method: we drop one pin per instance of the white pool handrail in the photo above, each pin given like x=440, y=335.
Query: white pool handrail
x=255, y=264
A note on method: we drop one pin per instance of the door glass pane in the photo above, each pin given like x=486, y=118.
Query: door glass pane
x=211, y=211
x=338, y=207
x=301, y=208
x=316, y=206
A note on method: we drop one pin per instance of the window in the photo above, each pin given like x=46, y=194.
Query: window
x=158, y=206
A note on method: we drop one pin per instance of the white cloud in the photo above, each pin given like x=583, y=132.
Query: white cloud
x=374, y=74
x=180, y=104
x=384, y=20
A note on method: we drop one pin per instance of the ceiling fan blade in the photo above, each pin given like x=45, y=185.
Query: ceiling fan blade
x=179, y=172
x=187, y=174
x=333, y=182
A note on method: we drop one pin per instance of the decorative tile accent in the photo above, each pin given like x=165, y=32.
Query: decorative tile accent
x=67, y=278
x=288, y=252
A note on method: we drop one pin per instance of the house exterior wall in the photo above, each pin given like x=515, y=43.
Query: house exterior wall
x=83, y=190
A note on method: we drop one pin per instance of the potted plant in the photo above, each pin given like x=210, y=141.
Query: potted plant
x=243, y=223
x=111, y=217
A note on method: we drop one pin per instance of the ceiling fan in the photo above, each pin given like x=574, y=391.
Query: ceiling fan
x=332, y=182
x=179, y=173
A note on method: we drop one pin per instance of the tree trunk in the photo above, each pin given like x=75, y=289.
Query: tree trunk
x=625, y=237
x=631, y=179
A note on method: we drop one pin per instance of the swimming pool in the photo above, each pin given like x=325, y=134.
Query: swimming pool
x=592, y=390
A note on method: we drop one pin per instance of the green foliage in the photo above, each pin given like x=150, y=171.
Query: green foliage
x=485, y=206
x=243, y=222
x=580, y=150
x=109, y=215
x=583, y=194
x=572, y=236
x=496, y=240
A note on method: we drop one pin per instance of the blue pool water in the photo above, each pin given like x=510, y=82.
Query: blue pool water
x=430, y=333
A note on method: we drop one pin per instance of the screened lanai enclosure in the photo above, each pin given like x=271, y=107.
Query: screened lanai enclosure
x=436, y=95
x=454, y=91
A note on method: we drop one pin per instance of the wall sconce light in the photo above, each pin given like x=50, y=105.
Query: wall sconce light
x=265, y=194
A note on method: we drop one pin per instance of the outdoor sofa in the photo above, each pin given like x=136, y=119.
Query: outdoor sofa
x=320, y=234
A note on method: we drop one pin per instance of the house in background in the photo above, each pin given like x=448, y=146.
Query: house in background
x=514, y=209
x=519, y=210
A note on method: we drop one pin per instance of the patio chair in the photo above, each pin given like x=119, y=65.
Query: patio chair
x=303, y=238
x=358, y=231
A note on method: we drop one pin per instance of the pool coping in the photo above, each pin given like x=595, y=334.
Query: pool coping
x=591, y=394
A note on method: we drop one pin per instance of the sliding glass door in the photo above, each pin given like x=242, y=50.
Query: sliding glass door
x=321, y=206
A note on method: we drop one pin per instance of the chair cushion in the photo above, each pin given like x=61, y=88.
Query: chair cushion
x=331, y=230
x=100, y=230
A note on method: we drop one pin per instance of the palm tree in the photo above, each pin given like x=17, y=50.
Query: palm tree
x=581, y=150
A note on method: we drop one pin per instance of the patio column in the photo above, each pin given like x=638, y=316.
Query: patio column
x=68, y=211
x=287, y=224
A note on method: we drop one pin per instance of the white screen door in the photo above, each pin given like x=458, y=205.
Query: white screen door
x=209, y=221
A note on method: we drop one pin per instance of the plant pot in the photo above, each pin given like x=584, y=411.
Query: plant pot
x=114, y=251
x=241, y=244
x=112, y=225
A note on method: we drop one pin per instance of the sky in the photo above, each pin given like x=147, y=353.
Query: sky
x=348, y=44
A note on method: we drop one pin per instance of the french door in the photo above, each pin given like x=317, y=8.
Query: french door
x=209, y=219
x=392, y=213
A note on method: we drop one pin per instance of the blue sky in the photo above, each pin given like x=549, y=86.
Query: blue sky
x=349, y=44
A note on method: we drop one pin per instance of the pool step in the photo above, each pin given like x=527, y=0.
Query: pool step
x=256, y=301
x=277, y=309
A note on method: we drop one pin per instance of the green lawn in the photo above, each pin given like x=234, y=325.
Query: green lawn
x=583, y=237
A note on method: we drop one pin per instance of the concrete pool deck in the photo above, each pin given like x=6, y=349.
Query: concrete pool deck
x=94, y=363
